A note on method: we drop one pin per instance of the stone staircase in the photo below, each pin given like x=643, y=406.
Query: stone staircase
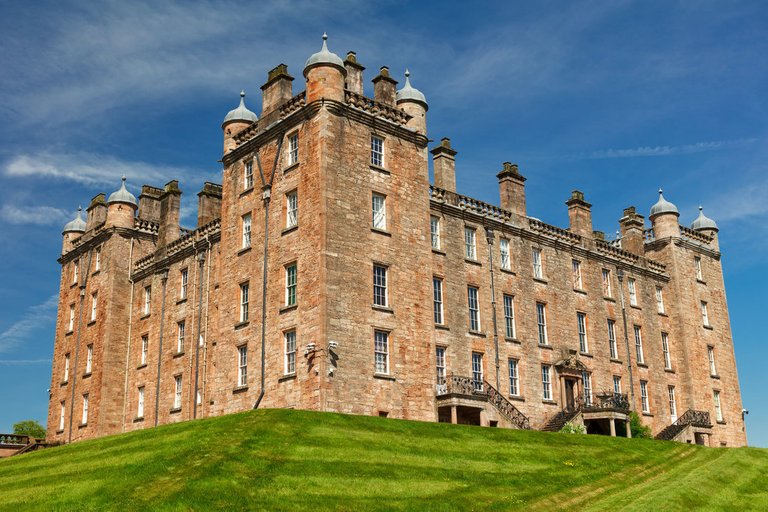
x=690, y=417
x=558, y=421
x=506, y=408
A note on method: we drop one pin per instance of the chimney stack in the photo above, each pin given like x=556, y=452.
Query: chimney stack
x=512, y=189
x=277, y=90
x=97, y=212
x=149, y=203
x=444, y=163
x=384, y=88
x=580, y=215
x=208, y=203
x=354, y=73
x=632, y=224
x=170, y=211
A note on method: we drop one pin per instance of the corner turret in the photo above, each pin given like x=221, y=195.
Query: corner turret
x=413, y=102
x=664, y=218
x=72, y=230
x=121, y=208
x=325, y=74
x=236, y=120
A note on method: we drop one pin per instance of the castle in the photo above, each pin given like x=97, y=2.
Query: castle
x=326, y=273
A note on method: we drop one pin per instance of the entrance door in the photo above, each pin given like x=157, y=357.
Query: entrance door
x=570, y=393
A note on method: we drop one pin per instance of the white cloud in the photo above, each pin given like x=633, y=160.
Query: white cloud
x=36, y=318
x=23, y=362
x=38, y=215
x=642, y=151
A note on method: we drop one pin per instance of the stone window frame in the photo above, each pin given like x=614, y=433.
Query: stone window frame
x=473, y=312
x=505, y=255
x=645, y=402
x=378, y=150
x=639, y=352
x=576, y=276
x=477, y=363
x=705, y=314
x=586, y=384
x=75, y=270
x=293, y=148
x=140, y=397
x=607, y=285
x=290, y=344
x=292, y=208
x=616, y=384
x=183, y=283
x=711, y=360
x=381, y=366
x=434, y=231
x=181, y=332
x=513, y=366
x=247, y=174
x=541, y=323
x=242, y=365
x=665, y=351
x=698, y=268
x=178, y=391
x=97, y=259
x=632, y=288
x=537, y=262
x=510, y=329
x=380, y=274
x=672, y=403
x=291, y=270
x=147, y=307
x=438, y=302
x=66, y=367
x=246, y=226
x=378, y=210
x=441, y=370
x=88, y=359
x=244, y=301
x=144, y=352
x=94, y=305
x=71, y=324
x=62, y=414
x=613, y=347
x=581, y=327
x=546, y=382
x=718, y=403
x=470, y=242
x=85, y=408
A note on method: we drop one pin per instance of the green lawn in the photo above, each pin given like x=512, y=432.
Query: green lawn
x=299, y=460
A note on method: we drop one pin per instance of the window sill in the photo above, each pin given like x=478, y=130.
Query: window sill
x=96, y=272
x=64, y=383
x=580, y=291
x=642, y=365
x=669, y=370
x=381, y=231
x=442, y=327
x=141, y=366
x=289, y=230
x=286, y=377
x=383, y=309
x=86, y=375
x=239, y=389
x=701, y=281
x=661, y=313
x=83, y=425
x=548, y=347
x=540, y=280
x=138, y=419
x=243, y=251
x=181, y=301
x=648, y=414
x=610, y=299
x=515, y=398
x=549, y=402
x=73, y=284
x=90, y=323
x=379, y=169
x=714, y=376
x=513, y=340
x=613, y=360
x=291, y=167
x=240, y=325
x=384, y=376
x=69, y=333
x=473, y=262
x=60, y=431
x=709, y=328
x=285, y=309
x=178, y=354
x=586, y=354
x=477, y=333
x=721, y=422
x=635, y=306
x=175, y=410
x=246, y=191
x=144, y=317
x=438, y=251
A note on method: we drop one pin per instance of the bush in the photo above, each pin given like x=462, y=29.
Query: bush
x=572, y=428
x=637, y=427
x=29, y=428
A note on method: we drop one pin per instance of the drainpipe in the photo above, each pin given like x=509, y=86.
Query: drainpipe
x=130, y=325
x=164, y=279
x=201, y=261
x=83, y=284
x=489, y=237
x=620, y=275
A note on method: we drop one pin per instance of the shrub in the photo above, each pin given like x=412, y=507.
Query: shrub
x=572, y=428
x=637, y=427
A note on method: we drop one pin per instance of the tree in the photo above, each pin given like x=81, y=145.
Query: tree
x=29, y=428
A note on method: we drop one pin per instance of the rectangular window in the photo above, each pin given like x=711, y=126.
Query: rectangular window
x=85, y=409
x=704, y=314
x=541, y=322
x=437, y=299
x=506, y=262
x=665, y=351
x=380, y=285
x=546, y=382
x=659, y=300
x=144, y=349
x=586, y=380
x=147, y=300
x=94, y=306
x=246, y=228
x=177, y=392
x=718, y=408
x=293, y=149
x=711, y=356
x=581, y=320
x=71, y=326
x=616, y=385
x=140, y=406
x=607, y=283
x=576, y=274
x=477, y=371
x=97, y=263
x=290, y=284
x=697, y=266
x=644, y=395
x=612, y=339
x=379, y=211
x=509, y=316
x=89, y=359
x=184, y=283
x=381, y=351
x=639, y=345
x=248, y=176
x=291, y=209
x=62, y=412
x=242, y=366
x=672, y=404
x=434, y=231
x=75, y=270
x=244, y=302
x=632, y=292
x=377, y=151
x=182, y=328
x=470, y=244
x=474, y=309
x=514, y=378
x=66, y=369
x=440, y=364
x=290, y=352
x=538, y=271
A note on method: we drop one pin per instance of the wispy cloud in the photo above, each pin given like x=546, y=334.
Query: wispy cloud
x=36, y=318
x=685, y=149
x=91, y=169
x=23, y=362
x=37, y=215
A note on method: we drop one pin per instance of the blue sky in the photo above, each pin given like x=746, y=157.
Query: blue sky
x=614, y=98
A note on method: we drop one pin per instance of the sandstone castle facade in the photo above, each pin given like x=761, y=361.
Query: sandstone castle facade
x=326, y=273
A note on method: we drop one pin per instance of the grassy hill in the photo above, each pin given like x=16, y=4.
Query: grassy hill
x=297, y=460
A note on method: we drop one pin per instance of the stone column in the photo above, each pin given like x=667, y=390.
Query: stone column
x=613, y=427
x=454, y=415
x=629, y=429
